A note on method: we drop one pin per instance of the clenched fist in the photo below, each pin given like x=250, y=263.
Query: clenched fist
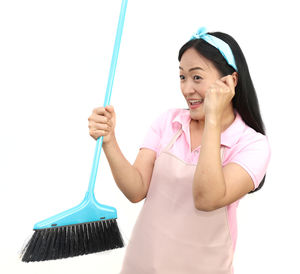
x=102, y=122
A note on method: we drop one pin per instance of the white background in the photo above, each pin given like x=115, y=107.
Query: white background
x=54, y=63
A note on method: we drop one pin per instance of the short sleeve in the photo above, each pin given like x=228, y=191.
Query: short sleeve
x=154, y=135
x=254, y=157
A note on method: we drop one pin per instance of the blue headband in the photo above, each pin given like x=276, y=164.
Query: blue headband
x=217, y=43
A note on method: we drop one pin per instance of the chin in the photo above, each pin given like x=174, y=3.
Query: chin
x=199, y=115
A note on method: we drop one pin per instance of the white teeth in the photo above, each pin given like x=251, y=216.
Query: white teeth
x=195, y=101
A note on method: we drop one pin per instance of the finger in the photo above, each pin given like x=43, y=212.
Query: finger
x=213, y=87
x=98, y=133
x=223, y=85
x=110, y=111
x=110, y=123
x=99, y=110
x=99, y=119
x=228, y=80
x=97, y=126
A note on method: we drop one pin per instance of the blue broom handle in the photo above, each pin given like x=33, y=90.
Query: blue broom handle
x=111, y=77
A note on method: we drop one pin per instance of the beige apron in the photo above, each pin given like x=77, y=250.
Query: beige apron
x=171, y=236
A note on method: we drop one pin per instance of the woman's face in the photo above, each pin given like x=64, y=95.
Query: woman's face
x=197, y=74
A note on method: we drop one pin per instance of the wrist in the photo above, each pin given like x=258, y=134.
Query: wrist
x=111, y=143
x=213, y=120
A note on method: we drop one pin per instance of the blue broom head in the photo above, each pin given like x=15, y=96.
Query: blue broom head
x=89, y=210
x=87, y=228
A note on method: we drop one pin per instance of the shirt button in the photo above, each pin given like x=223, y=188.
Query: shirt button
x=196, y=151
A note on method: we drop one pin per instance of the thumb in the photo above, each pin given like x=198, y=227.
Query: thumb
x=110, y=109
x=228, y=80
x=224, y=79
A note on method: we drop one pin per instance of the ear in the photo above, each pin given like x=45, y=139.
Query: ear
x=235, y=77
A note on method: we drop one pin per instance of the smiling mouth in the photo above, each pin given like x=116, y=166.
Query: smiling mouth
x=196, y=102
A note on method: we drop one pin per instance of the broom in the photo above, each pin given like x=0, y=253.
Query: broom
x=90, y=226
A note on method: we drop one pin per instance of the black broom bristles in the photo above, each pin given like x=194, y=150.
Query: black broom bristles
x=72, y=240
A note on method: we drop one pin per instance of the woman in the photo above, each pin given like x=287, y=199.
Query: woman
x=194, y=165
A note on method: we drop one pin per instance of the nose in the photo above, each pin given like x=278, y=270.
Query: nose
x=188, y=88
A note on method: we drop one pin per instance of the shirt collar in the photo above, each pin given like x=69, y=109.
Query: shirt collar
x=229, y=137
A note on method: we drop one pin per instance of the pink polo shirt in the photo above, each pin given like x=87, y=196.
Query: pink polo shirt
x=243, y=145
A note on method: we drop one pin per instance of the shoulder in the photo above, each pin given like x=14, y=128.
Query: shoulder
x=240, y=136
x=253, y=139
x=166, y=118
x=161, y=129
x=251, y=149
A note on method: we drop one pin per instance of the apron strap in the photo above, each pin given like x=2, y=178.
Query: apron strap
x=175, y=138
x=222, y=153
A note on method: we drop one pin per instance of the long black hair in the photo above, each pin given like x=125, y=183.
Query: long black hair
x=245, y=99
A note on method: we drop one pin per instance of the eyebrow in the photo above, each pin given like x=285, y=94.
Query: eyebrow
x=195, y=68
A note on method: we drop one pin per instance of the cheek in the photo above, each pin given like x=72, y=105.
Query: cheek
x=202, y=90
x=205, y=87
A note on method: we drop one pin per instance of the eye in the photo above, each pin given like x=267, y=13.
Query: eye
x=197, y=77
x=181, y=77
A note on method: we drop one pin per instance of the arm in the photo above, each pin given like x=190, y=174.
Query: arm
x=132, y=180
x=209, y=183
x=213, y=185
